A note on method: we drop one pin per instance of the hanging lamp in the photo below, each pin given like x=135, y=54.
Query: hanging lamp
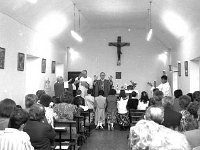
x=149, y=35
x=75, y=34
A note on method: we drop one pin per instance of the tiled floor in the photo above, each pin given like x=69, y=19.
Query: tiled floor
x=106, y=140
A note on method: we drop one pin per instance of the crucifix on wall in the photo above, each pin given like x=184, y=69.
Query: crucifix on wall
x=118, y=44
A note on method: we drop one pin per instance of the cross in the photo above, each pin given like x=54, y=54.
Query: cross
x=118, y=44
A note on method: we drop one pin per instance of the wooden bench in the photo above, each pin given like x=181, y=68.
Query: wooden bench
x=70, y=136
x=61, y=145
x=135, y=115
x=87, y=125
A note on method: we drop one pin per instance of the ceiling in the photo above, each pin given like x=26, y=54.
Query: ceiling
x=105, y=14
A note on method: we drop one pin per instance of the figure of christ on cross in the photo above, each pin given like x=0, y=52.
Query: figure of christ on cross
x=118, y=44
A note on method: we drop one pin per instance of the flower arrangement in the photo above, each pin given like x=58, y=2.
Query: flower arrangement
x=132, y=86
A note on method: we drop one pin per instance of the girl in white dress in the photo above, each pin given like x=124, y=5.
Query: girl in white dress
x=144, y=101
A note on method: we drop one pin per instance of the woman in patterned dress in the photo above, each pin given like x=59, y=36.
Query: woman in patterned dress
x=122, y=115
x=111, y=109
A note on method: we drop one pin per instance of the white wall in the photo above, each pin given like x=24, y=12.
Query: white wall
x=194, y=75
x=139, y=62
x=15, y=38
x=59, y=70
x=188, y=50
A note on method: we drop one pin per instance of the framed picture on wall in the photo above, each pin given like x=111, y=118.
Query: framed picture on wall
x=186, y=68
x=170, y=68
x=2, y=57
x=53, y=67
x=118, y=75
x=43, y=70
x=179, y=68
x=20, y=62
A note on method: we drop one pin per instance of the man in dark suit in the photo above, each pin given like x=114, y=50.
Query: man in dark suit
x=102, y=84
x=171, y=118
x=59, y=87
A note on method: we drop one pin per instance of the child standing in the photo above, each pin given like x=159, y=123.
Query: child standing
x=99, y=106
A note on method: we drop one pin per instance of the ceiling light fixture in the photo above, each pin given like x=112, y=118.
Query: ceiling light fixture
x=149, y=35
x=75, y=34
x=51, y=28
x=32, y=1
x=175, y=24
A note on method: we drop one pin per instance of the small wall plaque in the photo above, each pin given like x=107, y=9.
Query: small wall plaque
x=118, y=75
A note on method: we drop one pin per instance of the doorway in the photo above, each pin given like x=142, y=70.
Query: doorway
x=194, y=74
x=73, y=74
x=32, y=74
x=175, y=79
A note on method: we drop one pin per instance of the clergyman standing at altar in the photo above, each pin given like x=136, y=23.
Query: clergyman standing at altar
x=84, y=83
x=59, y=87
x=102, y=84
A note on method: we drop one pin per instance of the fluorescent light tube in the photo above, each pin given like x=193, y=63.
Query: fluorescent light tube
x=76, y=36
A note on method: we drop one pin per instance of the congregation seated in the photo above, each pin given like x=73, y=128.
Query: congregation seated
x=6, y=108
x=30, y=99
x=122, y=115
x=148, y=135
x=196, y=96
x=66, y=110
x=190, y=95
x=99, y=106
x=155, y=113
x=171, y=118
x=161, y=113
x=69, y=96
x=13, y=137
x=177, y=93
x=132, y=101
x=41, y=134
x=111, y=109
x=39, y=93
x=45, y=100
x=193, y=136
x=193, y=110
x=157, y=97
x=187, y=120
x=144, y=101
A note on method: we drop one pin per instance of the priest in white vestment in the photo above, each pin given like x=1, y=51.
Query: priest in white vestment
x=164, y=86
x=84, y=82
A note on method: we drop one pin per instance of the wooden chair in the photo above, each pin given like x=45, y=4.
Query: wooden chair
x=61, y=145
x=70, y=137
x=135, y=115
x=87, y=125
x=80, y=129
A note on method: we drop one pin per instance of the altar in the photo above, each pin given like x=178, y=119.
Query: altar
x=127, y=91
x=128, y=88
